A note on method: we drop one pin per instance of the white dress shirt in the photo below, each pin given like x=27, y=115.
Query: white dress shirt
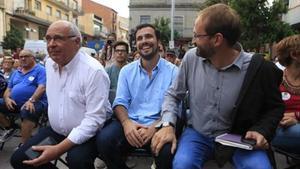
x=77, y=97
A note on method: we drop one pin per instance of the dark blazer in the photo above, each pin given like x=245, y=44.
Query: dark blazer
x=259, y=106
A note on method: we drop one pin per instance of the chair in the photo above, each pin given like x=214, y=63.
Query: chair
x=289, y=157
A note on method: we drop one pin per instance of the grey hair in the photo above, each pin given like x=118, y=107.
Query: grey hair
x=74, y=30
x=28, y=51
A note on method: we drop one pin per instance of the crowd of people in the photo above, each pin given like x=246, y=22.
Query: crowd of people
x=107, y=107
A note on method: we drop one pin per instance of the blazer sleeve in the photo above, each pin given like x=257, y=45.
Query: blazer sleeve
x=273, y=106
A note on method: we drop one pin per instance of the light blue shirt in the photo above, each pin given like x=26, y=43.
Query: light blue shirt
x=141, y=94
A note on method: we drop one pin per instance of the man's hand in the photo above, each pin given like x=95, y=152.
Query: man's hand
x=28, y=106
x=147, y=133
x=49, y=153
x=261, y=142
x=288, y=119
x=163, y=136
x=131, y=133
x=10, y=103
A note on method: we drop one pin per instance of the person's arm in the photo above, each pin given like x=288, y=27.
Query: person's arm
x=39, y=91
x=120, y=107
x=29, y=104
x=273, y=109
x=10, y=103
x=171, y=110
x=50, y=152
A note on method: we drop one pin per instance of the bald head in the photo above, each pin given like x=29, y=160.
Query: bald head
x=63, y=41
x=72, y=28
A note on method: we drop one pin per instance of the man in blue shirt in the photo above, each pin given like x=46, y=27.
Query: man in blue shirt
x=141, y=87
x=25, y=94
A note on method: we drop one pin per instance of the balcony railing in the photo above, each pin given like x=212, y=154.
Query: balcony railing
x=23, y=11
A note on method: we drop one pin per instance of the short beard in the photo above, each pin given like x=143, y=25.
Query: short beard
x=150, y=55
x=208, y=53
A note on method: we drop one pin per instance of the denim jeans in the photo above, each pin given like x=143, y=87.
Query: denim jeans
x=78, y=157
x=113, y=146
x=194, y=149
x=288, y=139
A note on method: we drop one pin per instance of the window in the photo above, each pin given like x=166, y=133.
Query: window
x=145, y=19
x=58, y=14
x=75, y=5
x=179, y=24
x=37, y=5
x=66, y=17
x=48, y=10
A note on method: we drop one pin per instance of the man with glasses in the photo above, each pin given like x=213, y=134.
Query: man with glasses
x=77, y=92
x=25, y=95
x=120, y=53
x=230, y=91
x=141, y=87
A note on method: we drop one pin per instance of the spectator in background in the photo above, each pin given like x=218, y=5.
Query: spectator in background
x=1, y=59
x=141, y=87
x=78, y=103
x=136, y=55
x=7, y=67
x=120, y=53
x=106, y=52
x=17, y=65
x=162, y=50
x=172, y=57
x=181, y=52
x=288, y=133
x=24, y=95
x=16, y=53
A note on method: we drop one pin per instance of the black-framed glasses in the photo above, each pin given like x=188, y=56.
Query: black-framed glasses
x=120, y=50
x=24, y=56
x=58, y=38
x=198, y=36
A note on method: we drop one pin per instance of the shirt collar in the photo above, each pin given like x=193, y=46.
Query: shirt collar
x=70, y=65
x=238, y=62
x=158, y=65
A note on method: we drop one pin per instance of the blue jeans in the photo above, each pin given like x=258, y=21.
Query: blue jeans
x=39, y=107
x=194, y=149
x=113, y=146
x=78, y=157
x=288, y=139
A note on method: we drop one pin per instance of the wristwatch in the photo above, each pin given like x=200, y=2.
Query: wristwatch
x=31, y=100
x=164, y=124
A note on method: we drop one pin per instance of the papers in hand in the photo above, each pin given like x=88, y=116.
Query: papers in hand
x=233, y=140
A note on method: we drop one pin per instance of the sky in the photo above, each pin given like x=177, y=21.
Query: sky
x=121, y=6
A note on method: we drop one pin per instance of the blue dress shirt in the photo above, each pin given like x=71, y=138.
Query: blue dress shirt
x=141, y=94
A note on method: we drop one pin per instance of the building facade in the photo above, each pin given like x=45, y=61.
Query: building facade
x=293, y=15
x=33, y=17
x=122, y=28
x=145, y=11
x=103, y=19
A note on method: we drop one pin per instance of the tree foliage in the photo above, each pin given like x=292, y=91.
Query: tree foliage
x=14, y=39
x=162, y=24
x=261, y=21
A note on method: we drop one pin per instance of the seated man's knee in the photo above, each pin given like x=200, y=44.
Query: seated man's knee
x=104, y=141
x=184, y=161
x=257, y=159
x=16, y=160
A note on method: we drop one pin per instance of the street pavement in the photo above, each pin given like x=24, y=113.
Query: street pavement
x=140, y=162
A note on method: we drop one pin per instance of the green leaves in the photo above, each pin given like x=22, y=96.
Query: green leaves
x=260, y=20
x=14, y=39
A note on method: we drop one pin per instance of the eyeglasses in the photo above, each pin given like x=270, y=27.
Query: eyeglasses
x=58, y=38
x=198, y=36
x=24, y=56
x=120, y=50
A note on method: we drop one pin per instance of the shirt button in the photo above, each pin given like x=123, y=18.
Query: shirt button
x=215, y=105
x=218, y=88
